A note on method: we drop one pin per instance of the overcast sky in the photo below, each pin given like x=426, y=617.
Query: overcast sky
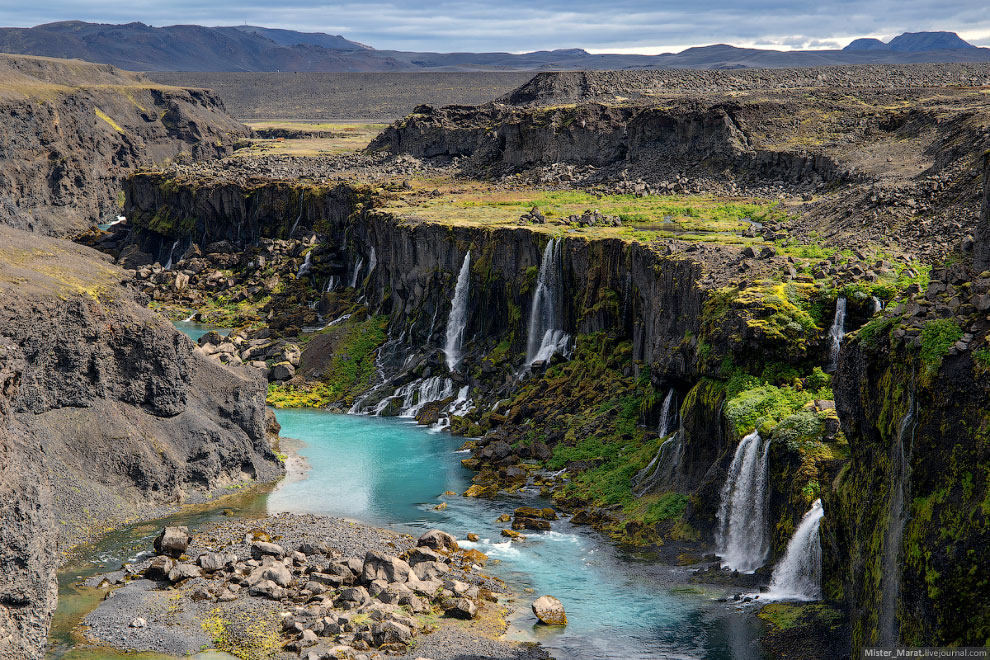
x=632, y=26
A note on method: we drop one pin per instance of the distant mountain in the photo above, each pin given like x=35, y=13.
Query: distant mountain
x=140, y=47
x=913, y=42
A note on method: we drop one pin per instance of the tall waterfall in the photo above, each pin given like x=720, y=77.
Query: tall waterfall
x=836, y=333
x=798, y=576
x=546, y=336
x=331, y=284
x=668, y=414
x=306, y=265
x=357, y=271
x=457, y=321
x=890, y=577
x=742, y=538
x=372, y=260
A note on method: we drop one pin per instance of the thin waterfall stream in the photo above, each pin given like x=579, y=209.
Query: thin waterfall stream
x=546, y=319
x=457, y=322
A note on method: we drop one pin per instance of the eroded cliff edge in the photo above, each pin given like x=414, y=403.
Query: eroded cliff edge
x=108, y=413
x=73, y=130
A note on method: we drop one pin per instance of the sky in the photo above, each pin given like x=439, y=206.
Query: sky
x=618, y=26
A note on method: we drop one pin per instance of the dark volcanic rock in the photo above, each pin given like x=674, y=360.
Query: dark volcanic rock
x=105, y=411
x=70, y=133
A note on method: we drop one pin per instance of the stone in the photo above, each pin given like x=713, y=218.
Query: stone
x=438, y=540
x=379, y=566
x=172, y=541
x=549, y=611
x=282, y=371
x=184, y=571
x=138, y=623
x=267, y=589
x=314, y=548
x=462, y=608
x=430, y=570
x=390, y=632
x=278, y=574
x=159, y=568
x=212, y=562
x=261, y=549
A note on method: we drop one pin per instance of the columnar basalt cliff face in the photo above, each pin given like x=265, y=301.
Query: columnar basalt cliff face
x=72, y=131
x=678, y=134
x=906, y=538
x=107, y=412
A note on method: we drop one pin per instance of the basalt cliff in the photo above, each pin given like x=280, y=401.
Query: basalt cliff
x=72, y=131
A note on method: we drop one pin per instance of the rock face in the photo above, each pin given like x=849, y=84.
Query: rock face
x=905, y=535
x=981, y=250
x=549, y=611
x=70, y=132
x=105, y=411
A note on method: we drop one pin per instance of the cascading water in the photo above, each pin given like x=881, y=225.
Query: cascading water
x=372, y=260
x=877, y=305
x=168, y=264
x=306, y=265
x=836, y=333
x=298, y=218
x=546, y=318
x=357, y=271
x=457, y=322
x=897, y=513
x=742, y=538
x=331, y=284
x=798, y=576
x=668, y=414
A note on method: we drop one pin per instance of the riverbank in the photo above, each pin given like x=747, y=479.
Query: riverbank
x=322, y=570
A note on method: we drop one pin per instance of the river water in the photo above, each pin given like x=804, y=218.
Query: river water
x=393, y=473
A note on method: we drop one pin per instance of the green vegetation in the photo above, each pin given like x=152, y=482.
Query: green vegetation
x=763, y=406
x=937, y=336
x=249, y=636
x=102, y=115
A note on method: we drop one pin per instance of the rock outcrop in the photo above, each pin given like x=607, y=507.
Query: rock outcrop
x=981, y=249
x=106, y=411
x=71, y=131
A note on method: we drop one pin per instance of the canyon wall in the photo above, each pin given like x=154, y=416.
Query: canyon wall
x=107, y=413
x=72, y=131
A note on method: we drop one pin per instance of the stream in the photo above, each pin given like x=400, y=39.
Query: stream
x=393, y=473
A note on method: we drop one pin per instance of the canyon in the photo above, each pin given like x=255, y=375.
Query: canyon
x=745, y=332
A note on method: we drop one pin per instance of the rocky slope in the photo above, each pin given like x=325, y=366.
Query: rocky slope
x=72, y=131
x=108, y=413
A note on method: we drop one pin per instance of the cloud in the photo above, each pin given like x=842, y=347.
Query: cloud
x=647, y=26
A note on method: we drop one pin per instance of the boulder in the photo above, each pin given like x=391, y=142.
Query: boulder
x=390, y=632
x=462, y=608
x=184, y=571
x=159, y=568
x=282, y=371
x=436, y=539
x=549, y=611
x=267, y=589
x=278, y=574
x=172, y=541
x=212, y=562
x=379, y=566
x=261, y=549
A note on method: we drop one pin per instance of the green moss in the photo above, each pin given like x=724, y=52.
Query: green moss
x=937, y=336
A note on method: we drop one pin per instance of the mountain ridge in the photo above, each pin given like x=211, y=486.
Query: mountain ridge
x=140, y=47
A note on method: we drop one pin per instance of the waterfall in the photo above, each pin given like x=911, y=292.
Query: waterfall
x=877, y=305
x=459, y=406
x=372, y=260
x=836, y=333
x=331, y=284
x=662, y=471
x=357, y=271
x=190, y=318
x=457, y=322
x=545, y=318
x=168, y=265
x=890, y=578
x=668, y=414
x=296, y=223
x=306, y=265
x=742, y=538
x=798, y=576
